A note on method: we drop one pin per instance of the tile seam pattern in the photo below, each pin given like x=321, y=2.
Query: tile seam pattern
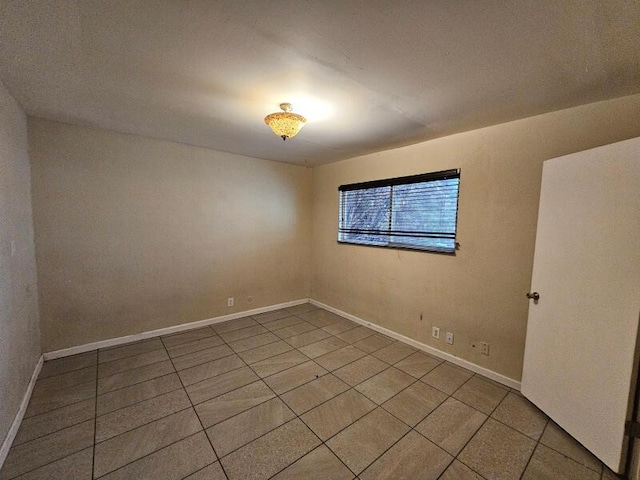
x=277, y=396
x=53, y=431
x=344, y=428
x=203, y=430
x=297, y=416
x=139, y=401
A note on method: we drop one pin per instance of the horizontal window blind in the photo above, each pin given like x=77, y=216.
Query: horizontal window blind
x=417, y=212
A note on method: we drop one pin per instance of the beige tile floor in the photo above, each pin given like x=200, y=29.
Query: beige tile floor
x=292, y=394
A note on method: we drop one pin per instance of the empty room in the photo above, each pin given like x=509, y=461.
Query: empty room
x=319, y=240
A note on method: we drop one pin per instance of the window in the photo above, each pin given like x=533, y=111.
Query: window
x=416, y=212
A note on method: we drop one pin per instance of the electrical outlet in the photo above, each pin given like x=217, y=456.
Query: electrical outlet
x=230, y=302
x=484, y=348
x=435, y=332
x=449, y=338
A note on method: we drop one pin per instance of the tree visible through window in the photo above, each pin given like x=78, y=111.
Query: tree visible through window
x=416, y=212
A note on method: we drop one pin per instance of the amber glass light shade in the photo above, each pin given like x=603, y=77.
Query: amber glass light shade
x=285, y=124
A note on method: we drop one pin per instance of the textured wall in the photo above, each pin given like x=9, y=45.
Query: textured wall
x=135, y=234
x=478, y=294
x=19, y=330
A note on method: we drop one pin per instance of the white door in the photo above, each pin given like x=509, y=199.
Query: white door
x=580, y=354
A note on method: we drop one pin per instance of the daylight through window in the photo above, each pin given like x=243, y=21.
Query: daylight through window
x=416, y=212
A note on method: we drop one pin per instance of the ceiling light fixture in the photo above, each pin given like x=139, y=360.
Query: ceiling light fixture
x=285, y=124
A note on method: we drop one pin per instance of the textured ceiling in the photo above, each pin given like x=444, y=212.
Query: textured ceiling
x=368, y=75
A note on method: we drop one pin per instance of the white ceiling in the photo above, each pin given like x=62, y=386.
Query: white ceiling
x=369, y=75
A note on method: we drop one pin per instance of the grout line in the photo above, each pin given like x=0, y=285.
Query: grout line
x=49, y=463
x=55, y=431
x=142, y=424
x=413, y=428
x=288, y=337
x=281, y=400
x=206, y=466
x=577, y=462
x=139, y=401
x=453, y=459
x=235, y=340
x=95, y=411
x=100, y=377
x=237, y=352
x=124, y=357
x=204, y=431
x=415, y=380
x=270, y=322
x=535, y=448
x=194, y=340
x=149, y=454
x=231, y=354
x=483, y=423
x=135, y=383
x=387, y=449
x=128, y=357
x=32, y=383
x=75, y=370
x=212, y=377
x=241, y=412
x=332, y=398
x=298, y=417
x=322, y=444
x=173, y=355
x=285, y=369
x=291, y=368
x=60, y=407
x=229, y=391
x=456, y=459
x=279, y=396
x=68, y=371
x=50, y=380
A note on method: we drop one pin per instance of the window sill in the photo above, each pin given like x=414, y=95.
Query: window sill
x=403, y=247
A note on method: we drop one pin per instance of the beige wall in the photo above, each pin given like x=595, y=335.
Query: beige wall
x=478, y=294
x=19, y=331
x=135, y=234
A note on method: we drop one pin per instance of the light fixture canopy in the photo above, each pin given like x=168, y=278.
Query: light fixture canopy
x=285, y=124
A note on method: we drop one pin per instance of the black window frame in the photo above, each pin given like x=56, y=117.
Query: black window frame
x=390, y=232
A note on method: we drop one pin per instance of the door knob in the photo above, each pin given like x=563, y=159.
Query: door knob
x=535, y=296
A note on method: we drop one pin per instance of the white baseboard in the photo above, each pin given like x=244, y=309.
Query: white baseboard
x=17, y=420
x=509, y=382
x=6, y=445
x=65, y=352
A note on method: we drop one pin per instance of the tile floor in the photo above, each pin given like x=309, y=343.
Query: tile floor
x=298, y=393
